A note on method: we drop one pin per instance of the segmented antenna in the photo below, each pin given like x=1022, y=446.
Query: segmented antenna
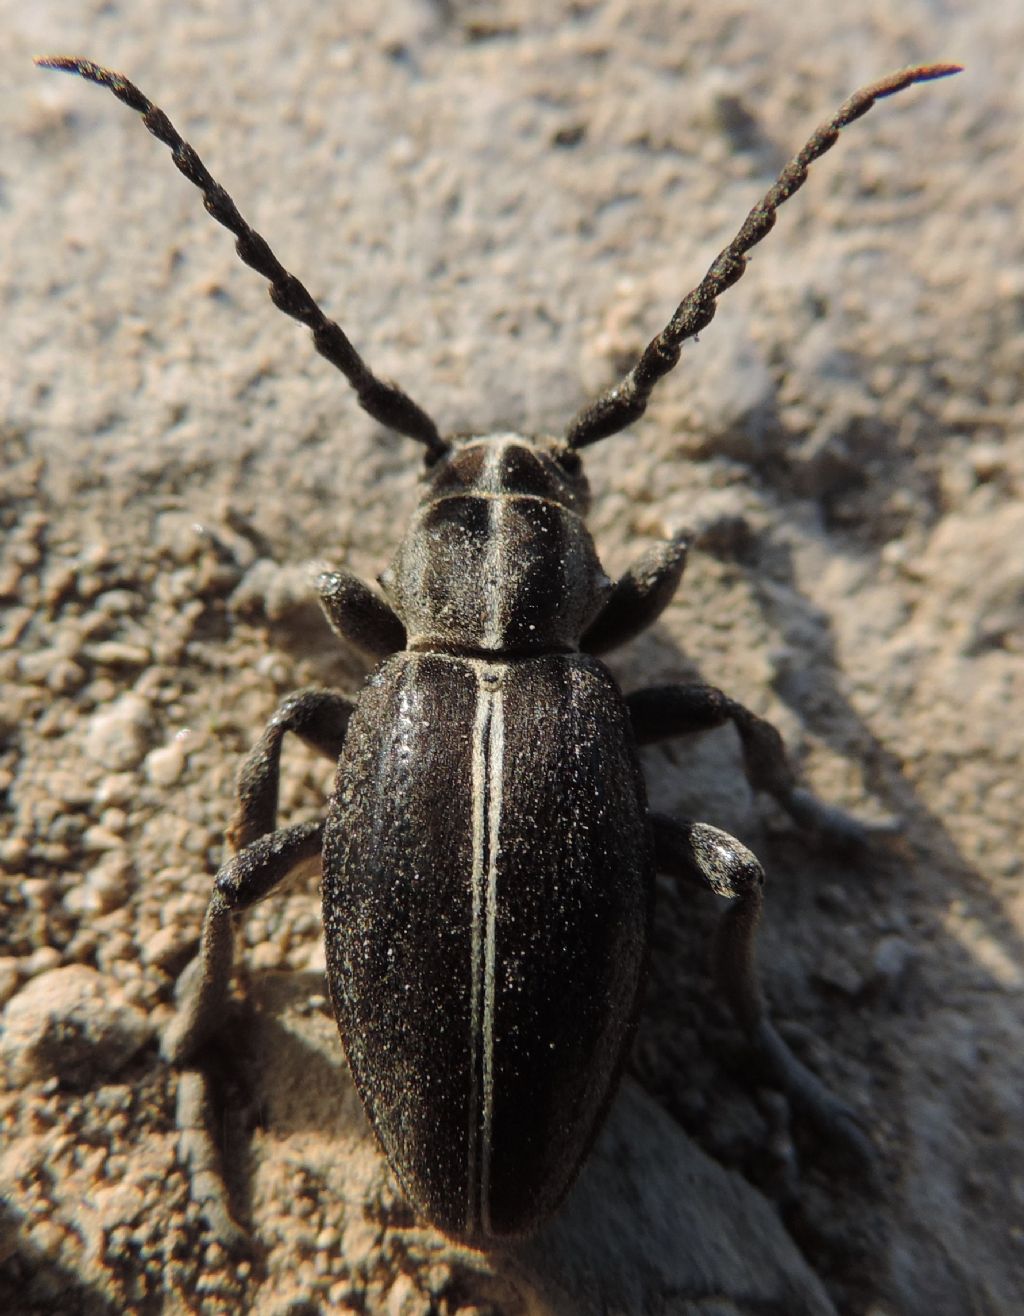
x=627, y=400
x=385, y=402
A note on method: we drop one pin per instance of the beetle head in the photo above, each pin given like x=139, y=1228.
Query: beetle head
x=509, y=463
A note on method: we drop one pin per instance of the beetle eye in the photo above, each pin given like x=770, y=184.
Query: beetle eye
x=570, y=462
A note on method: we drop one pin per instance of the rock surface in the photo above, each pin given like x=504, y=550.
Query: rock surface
x=502, y=202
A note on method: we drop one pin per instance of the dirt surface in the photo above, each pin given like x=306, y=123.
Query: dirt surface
x=501, y=203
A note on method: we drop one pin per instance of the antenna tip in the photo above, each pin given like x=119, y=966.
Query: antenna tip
x=928, y=72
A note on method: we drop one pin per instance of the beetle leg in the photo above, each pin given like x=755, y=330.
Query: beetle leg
x=318, y=717
x=701, y=854
x=202, y=992
x=359, y=616
x=265, y=857
x=246, y=878
x=640, y=597
x=674, y=710
x=202, y=995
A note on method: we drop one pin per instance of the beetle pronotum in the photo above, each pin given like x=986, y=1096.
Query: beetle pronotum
x=488, y=856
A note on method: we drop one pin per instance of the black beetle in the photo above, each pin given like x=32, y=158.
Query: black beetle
x=488, y=857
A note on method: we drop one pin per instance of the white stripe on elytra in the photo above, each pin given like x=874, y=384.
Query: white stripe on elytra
x=496, y=764
x=494, y=559
x=488, y=752
x=476, y=883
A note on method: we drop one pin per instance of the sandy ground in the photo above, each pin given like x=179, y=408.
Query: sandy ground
x=501, y=202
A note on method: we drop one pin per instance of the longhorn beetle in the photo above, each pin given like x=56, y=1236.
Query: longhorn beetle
x=488, y=857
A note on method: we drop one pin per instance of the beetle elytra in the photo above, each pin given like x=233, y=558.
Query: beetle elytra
x=488, y=856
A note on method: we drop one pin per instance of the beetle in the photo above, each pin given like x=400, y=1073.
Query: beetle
x=488, y=856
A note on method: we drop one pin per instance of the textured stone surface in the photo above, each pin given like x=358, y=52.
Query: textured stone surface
x=501, y=203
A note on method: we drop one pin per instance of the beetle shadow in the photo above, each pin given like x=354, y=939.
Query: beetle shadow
x=650, y=1213
x=839, y=951
x=814, y=683
x=653, y=1220
x=904, y=903
x=929, y=840
x=285, y=1098
x=297, y=1073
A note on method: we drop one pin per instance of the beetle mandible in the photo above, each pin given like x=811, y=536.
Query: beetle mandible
x=488, y=856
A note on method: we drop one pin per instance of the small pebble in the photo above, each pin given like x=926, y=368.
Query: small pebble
x=42, y=960
x=13, y=852
x=97, y=839
x=164, y=766
x=118, y=733
x=111, y=878
x=65, y=677
x=166, y=948
x=116, y=653
x=116, y=790
x=70, y=1023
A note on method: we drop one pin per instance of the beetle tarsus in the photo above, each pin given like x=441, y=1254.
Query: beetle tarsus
x=199, y=1153
x=768, y=769
x=836, y=827
x=817, y=1103
x=201, y=992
